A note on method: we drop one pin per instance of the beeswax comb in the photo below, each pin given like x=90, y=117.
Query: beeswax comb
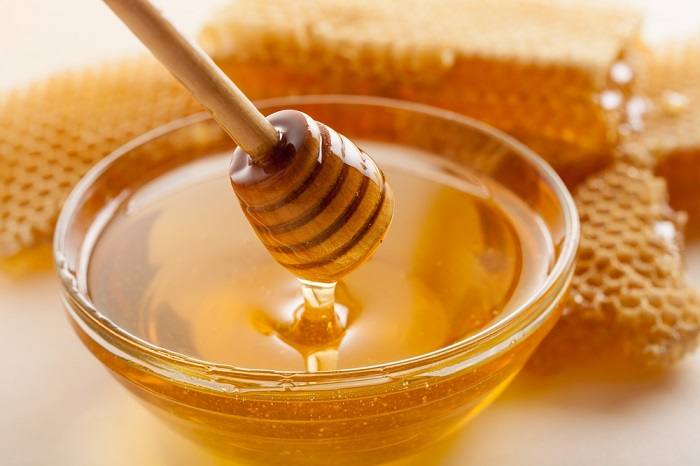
x=555, y=74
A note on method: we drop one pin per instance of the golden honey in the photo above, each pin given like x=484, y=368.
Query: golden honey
x=179, y=266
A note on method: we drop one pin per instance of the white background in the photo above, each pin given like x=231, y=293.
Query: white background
x=59, y=407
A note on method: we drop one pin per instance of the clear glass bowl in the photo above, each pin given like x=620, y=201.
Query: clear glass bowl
x=352, y=416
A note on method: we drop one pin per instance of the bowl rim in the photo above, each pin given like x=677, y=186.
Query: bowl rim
x=219, y=377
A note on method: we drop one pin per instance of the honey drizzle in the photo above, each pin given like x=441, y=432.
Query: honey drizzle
x=318, y=329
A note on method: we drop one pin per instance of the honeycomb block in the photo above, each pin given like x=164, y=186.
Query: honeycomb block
x=52, y=131
x=671, y=133
x=553, y=73
x=629, y=301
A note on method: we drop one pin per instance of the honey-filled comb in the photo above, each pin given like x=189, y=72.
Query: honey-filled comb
x=630, y=302
x=671, y=132
x=553, y=73
x=53, y=131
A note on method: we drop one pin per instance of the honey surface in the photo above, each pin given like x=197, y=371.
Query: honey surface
x=177, y=264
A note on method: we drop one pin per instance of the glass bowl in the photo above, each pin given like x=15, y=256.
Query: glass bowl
x=351, y=416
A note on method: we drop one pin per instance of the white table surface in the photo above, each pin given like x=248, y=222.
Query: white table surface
x=58, y=406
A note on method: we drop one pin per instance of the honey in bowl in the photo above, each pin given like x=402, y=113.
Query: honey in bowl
x=169, y=287
x=177, y=265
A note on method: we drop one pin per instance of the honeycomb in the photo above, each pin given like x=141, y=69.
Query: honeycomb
x=52, y=131
x=671, y=132
x=629, y=300
x=553, y=73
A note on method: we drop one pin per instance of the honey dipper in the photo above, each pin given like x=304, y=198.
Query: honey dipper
x=319, y=204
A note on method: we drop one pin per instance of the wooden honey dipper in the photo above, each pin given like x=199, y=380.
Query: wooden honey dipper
x=319, y=204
